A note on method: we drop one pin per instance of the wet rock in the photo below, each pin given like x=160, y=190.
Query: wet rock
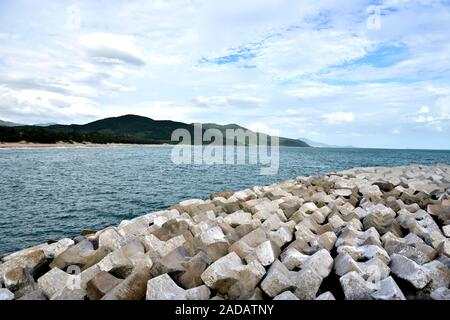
x=164, y=288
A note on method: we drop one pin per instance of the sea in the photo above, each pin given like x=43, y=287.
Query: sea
x=51, y=193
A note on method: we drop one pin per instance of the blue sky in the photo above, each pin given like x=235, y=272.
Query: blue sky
x=316, y=69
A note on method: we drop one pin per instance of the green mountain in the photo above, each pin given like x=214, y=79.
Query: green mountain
x=283, y=141
x=123, y=129
x=9, y=124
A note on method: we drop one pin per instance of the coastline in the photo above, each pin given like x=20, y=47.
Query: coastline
x=363, y=228
x=17, y=145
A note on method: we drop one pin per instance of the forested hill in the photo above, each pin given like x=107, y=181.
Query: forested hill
x=124, y=129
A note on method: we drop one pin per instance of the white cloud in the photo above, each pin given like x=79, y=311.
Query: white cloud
x=112, y=48
x=424, y=109
x=290, y=64
x=339, y=117
x=260, y=127
x=305, y=90
x=229, y=101
x=29, y=106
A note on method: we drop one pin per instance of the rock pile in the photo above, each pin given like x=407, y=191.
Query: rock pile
x=365, y=233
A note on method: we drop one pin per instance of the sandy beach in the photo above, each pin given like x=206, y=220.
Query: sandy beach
x=4, y=145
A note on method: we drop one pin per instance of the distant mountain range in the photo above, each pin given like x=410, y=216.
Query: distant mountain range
x=13, y=124
x=287, y=142
x=9, y=124
x=123, y=129
x=321, y=145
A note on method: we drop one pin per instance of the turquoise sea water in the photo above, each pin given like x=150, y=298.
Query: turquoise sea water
x=50, y=193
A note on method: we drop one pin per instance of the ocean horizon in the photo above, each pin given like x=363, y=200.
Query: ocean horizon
x=51, y=193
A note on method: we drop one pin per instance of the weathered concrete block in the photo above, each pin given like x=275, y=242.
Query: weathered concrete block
x=293, y=259
x=132, y=288
x=286, y=295
x=307, y=283
x=355, y=287
x=409, y=270
x=326, y=296
x=5, y=294
x=440, y=294
x=100, y=284
x=164, y=288
x=229, y=276
x=277, y=280
x=238, y=218
x=53, y=281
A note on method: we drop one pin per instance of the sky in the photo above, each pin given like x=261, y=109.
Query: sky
x=354, y=72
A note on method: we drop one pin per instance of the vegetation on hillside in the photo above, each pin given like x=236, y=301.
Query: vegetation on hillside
x=125, y=129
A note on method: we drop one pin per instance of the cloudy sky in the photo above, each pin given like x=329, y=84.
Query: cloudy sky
x=358, y=72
